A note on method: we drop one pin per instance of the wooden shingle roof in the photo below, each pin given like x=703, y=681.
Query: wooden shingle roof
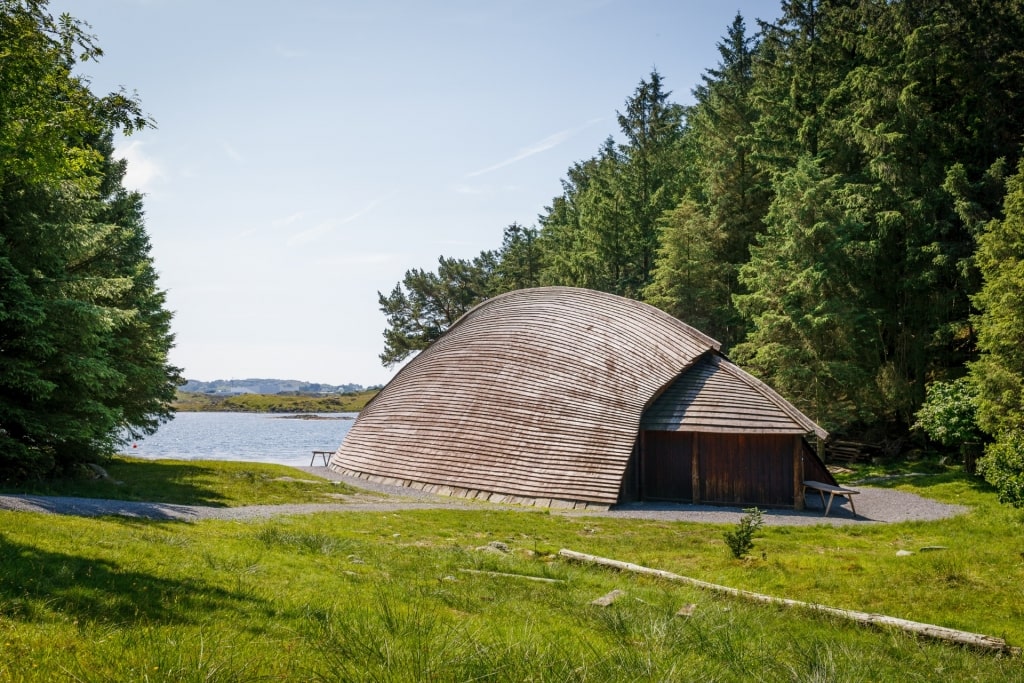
x=534, y=396
x=717, y=396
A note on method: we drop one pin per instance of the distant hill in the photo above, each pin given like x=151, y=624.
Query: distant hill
x=222, y=387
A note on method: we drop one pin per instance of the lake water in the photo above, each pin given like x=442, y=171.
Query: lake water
x=253, y=437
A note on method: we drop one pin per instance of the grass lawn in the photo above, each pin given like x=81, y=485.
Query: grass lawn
x=193, y=482
x=385, y=596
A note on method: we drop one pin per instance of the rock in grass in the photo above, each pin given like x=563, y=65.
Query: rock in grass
x=930, y=548
x=608, y=599
x=686, y=610
x=495, y=547
x=904, y=553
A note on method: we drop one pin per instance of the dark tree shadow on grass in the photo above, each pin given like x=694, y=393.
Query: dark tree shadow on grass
x=135, y=480
x=36, y=583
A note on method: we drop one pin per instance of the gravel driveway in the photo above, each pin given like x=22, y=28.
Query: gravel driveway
x=874, y=505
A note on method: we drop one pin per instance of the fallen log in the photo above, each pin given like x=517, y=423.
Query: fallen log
x=976, y=640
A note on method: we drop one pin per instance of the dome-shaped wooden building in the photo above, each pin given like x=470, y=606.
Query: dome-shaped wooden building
x=568, y=397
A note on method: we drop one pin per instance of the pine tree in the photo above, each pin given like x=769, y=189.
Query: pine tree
x=602, y=232
x=691, y=281
x=649, y=182
x=567, y=245
x=519, y=259
x=707, y=237
x=425, y=304
x=812, y=339
x=883, y=98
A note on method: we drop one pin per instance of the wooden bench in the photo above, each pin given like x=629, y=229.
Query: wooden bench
x=323, y=454
x=832, y=491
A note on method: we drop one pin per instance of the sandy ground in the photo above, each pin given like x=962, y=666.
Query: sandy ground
x=874, y=506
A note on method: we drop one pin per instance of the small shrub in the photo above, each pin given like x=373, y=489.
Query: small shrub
x=741, y=540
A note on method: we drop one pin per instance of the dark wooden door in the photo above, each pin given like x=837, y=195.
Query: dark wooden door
x=746, y=469
x=666, y=469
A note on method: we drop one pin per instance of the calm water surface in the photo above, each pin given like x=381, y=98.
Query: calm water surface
x=252, y=437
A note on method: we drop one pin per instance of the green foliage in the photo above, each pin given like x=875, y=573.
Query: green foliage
x=812, y=339
x=85, y=335
x=861, y=92
x=691, y=281
x=707, y=237
x=1003, y=466
x=741, y=539
x=949, y=413
x=999, y=371
x=520, y=259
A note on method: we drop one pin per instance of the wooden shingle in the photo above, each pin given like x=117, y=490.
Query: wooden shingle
x=536, y=394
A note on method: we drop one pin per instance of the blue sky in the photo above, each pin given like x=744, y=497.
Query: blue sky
x=308, y=153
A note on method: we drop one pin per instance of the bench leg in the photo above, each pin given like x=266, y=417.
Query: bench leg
x=852, y=509
x=829, y=506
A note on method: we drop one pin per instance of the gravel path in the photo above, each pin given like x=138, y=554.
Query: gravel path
x=874, y=505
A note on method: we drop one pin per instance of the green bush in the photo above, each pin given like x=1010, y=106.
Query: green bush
x=1003, y=467
x=949, y=413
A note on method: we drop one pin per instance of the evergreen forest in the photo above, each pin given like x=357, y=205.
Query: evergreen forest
x=841, y=206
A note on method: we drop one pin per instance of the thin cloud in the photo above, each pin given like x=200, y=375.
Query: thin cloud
x=232, y=152
x=290, y=53
x=366, y=258
x=321, y=229
x=289, y=220
x=361, y=212
x=311, y=234
x=544, y=145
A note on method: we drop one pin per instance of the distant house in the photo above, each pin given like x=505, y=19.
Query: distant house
x=568, y=397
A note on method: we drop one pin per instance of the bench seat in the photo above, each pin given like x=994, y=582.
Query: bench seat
x=822, y=488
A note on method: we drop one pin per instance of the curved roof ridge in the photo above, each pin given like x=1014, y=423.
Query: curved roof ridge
x=689, y=329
